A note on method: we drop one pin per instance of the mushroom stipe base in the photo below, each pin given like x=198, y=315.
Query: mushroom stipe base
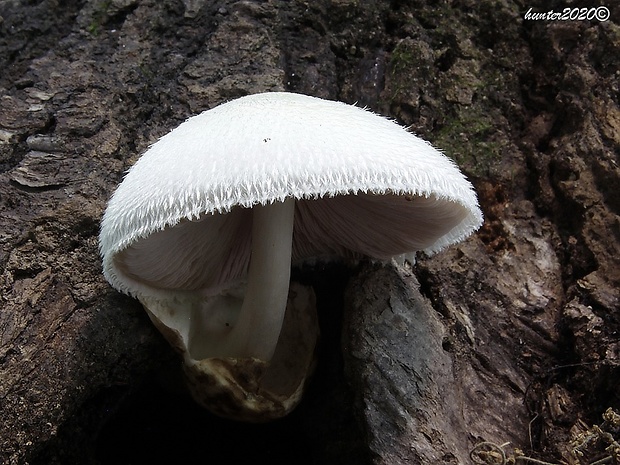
x=250, y=389
x=232, y=388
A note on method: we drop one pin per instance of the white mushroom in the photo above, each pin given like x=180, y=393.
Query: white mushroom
x=204, y=229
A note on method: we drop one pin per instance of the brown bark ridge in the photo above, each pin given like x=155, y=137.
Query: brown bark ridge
x=512, y=336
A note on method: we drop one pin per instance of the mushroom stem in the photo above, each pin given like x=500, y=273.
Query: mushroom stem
x=258, y=326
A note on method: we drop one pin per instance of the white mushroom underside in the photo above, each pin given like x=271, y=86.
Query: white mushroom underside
x=202, y=256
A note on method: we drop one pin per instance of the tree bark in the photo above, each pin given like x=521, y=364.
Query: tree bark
x=511, y=336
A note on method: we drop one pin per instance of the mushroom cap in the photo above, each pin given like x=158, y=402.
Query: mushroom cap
x=180, y=220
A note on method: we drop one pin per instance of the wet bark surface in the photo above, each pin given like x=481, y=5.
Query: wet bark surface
x=512, y=336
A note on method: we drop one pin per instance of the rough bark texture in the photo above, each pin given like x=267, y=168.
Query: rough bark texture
x=511, y=336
